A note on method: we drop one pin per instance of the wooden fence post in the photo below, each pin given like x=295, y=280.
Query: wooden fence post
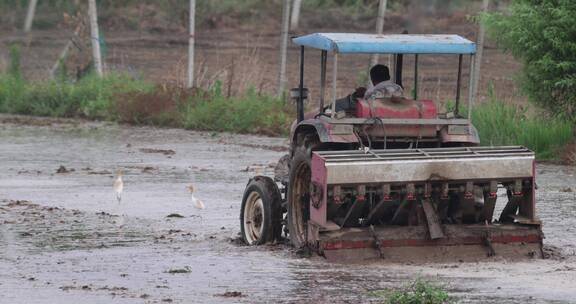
x=30, y=15
x=283, y=47
x=295, y=18
x=95, y=37
x=479, y=54
x=191, y=42
x=379, y=31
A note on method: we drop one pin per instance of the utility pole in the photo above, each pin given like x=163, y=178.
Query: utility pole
x=95, y=37
x=30, y=15
x=283, y=46
x=191, y=41
x=479, y=53
x=295, y=18
x=379, y=29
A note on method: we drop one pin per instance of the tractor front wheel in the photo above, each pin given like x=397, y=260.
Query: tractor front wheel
x=299, y=192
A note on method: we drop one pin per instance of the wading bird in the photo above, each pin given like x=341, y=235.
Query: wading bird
x=197, y=203
x=118, y=185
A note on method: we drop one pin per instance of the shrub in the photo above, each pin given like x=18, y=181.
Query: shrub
x=11, y=89
x=160, y=106
x=543, y=35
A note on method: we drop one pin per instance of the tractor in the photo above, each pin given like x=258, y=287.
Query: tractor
x=394, y=178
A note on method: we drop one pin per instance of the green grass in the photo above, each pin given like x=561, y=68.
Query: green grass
x=417, y=292
x=91, y=97
x=503, y=124
x=118, y=97
x=250, y=113
x=499, y=123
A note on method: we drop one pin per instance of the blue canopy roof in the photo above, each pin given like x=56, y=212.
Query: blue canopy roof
x=388, y=44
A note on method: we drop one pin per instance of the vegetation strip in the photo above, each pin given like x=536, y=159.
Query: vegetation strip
x=122, y=98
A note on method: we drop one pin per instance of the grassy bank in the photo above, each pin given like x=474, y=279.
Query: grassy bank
x=121, y=98
x=499, y=123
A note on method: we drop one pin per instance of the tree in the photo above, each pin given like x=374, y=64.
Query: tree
x=542, y=34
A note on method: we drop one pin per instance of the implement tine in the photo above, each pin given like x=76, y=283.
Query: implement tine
x=377, y=242
x=432, y=220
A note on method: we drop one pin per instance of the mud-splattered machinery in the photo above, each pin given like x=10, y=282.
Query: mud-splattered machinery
x=393, y=178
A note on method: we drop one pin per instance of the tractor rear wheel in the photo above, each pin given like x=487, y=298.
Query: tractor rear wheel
x=299, y=191
x=261, y=213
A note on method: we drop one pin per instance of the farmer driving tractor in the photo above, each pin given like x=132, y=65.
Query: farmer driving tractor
x=382, y=87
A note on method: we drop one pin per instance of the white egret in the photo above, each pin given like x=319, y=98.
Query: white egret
x=119, y=186
x=196, y=202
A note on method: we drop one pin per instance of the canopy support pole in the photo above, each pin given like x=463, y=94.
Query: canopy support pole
x=471, y=87
x=300, y=106
x=415, y=76
x=323, y=58
x=398, y=66
x=458, y=85
x=334, y=77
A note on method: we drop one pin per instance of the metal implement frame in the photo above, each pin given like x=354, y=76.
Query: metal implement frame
x=424, y=171
x=401, y=244
x=399, y=121
x=431, y=153
x=425, y=165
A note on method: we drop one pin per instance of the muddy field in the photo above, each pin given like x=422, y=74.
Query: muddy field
x=65, y=239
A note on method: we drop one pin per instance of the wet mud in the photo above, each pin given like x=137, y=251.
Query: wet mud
x=65, y=239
